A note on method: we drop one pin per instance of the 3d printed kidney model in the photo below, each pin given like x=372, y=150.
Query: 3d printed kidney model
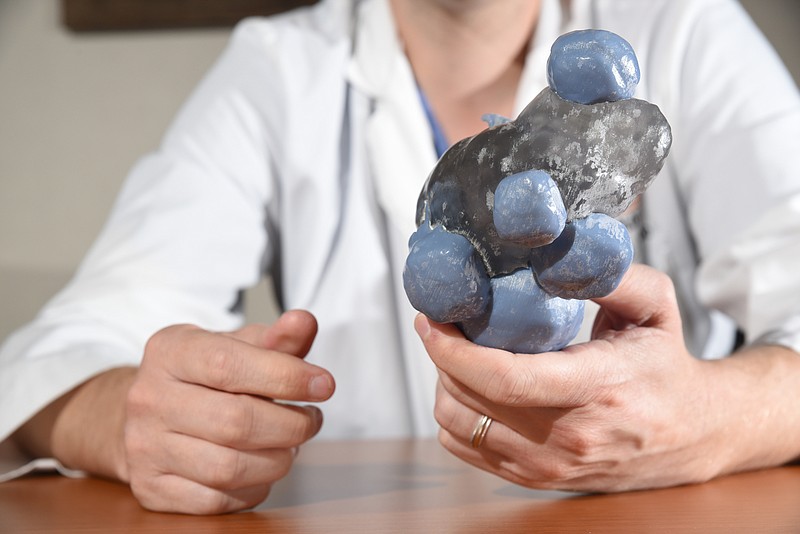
x=516, y=225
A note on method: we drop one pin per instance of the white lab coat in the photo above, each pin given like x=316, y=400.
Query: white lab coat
x=302, y=154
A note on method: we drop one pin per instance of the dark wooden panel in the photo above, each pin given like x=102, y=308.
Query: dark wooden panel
x=107, y=15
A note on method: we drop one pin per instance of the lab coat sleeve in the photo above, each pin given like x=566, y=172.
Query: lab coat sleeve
x=739, y=173
x=186, y=235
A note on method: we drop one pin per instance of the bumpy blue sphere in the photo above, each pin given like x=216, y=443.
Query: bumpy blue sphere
x=587, y=260
x=591, y=66
x=444, y=277
x=528, y=209
x=524, y=318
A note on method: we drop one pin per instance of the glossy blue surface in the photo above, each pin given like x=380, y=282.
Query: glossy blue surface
x=528, y=209
x=444, y=276
x=591, y=66
x=524, y=318
x=587, y=260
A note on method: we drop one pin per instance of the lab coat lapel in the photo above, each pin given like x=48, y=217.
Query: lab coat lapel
x=399, y=139
x=400, y=155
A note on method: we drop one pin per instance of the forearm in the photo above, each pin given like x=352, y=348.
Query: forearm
x=756, y=395
x=84, y=428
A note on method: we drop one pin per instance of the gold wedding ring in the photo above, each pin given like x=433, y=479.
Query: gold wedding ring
x=480, y=431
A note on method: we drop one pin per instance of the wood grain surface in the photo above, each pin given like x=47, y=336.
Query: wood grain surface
x=414, y=486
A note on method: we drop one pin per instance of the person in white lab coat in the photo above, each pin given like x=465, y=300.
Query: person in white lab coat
x=302, y=154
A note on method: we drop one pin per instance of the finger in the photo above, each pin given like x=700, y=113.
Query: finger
x=459, y=422
x=493, y=374
x=453, y=397
x=526, y=459
x=172, y=493
x=644, y=297
x=240, y=421
x=553, y=379
x=227, y=364
x=512, y=457
x=500, y=449
x=293, y=333
x=223, y=468
x=533, y=423
x=457, y=419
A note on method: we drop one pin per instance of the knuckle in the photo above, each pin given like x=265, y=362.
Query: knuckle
x=227, y=468
x=444, y=439
x=156, y=494
x=665, y=282
x=144, y=407
x=164, y=340
x=209, y=501
x=215, y=504
x=444, y=411
x=510, y=385
x=138, y=398
x=143, y=492
x=250, y=331
x=235, y=420
x=664, y=288
x=301, y=429
x=282, y=463
x=221, y=365
x=290, y=377
x=156, y=343
x=553, y=471
x=580, y=445
x=135, y=442
x=150, y=492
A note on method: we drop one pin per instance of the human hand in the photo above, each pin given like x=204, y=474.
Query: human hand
x=205, y=431
x=627, y=410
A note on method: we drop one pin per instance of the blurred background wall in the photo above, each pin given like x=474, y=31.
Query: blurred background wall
x=78, y=109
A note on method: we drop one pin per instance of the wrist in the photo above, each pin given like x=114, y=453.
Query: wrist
x=88, y=433
x=756, y=410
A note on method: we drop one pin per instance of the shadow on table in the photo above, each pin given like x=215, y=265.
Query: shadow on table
x=320, y=483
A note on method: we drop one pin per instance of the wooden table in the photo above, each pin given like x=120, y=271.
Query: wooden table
x=414, y=486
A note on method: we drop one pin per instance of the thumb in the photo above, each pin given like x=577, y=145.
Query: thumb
x=644, y=297
x=292, y=333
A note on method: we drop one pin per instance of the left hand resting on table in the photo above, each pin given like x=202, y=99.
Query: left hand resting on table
x=630, y=409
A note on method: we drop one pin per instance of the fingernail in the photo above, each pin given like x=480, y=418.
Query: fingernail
x=320, y=387
x=422, y=325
